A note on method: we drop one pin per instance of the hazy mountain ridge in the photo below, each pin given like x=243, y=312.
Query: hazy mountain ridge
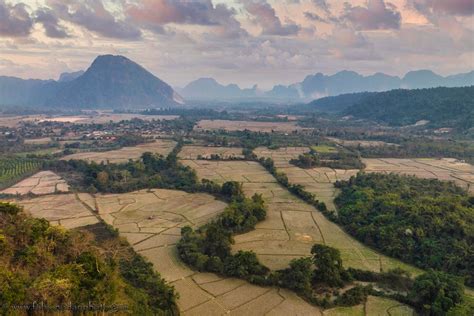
x=69, y=76
x=110, y=81
x=320, y=85
x=205, y=88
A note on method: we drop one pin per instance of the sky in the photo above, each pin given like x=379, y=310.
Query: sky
x=263, y=42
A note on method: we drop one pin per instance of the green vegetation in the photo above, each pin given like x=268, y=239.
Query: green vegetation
x=323, y=149
x=330, y=158
x=14, y=169
x=424, y=222
x=435, y=293
x=151, y=171
x=443, y=107
x=422, y=148
x=45, y=264
x=208, y=247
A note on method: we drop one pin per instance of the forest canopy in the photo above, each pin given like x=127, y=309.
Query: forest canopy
x=425, y=222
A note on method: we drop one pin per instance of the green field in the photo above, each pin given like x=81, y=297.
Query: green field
x=324, y=149
x=14, y=169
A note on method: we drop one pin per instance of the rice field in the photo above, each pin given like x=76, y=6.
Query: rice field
x=67, y=210
x=162, y=147
x=151, y=221
x=292, y=226
x=254, y=126
x=318, y=181
x=43, y=182
x=446, y=169
x=194, y=152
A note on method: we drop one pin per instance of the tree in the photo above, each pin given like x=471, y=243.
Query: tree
x=437, y=292
x=103, y=178
x=329, y=269
x=232, y=189
x=298, y=276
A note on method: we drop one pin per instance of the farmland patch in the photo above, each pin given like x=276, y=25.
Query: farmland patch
x=161, y=146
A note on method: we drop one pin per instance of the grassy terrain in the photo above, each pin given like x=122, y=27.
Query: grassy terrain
x=324, y=149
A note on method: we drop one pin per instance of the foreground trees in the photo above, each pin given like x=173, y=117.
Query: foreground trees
x=53, y=266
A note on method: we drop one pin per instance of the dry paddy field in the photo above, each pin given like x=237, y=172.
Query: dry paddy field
x=375, y=306
x=192, y=152
x=315, y=180
x=442, y=169
x=282, y=127
x=162, y=146
x=362, y=143
x=292, y=226
x=104, y=118
x=68, y=210
x=151, y=221
x=43, y=182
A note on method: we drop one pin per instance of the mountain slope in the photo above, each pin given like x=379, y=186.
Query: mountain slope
x=110, y=82
x=116, y=82
x=336, y=103
x=443, y=107
x=31, y=92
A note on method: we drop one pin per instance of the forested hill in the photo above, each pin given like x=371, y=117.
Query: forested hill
x=442, y=107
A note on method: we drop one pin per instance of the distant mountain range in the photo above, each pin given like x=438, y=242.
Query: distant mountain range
x=110, y=82
x=320, y=85
x=117, y=82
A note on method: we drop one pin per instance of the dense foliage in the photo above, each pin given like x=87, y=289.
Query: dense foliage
x=443, y=107
x=53, y=266
x=424, y=222
x=335, y=103
x=435, y=293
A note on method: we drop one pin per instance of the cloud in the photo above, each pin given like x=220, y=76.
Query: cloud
x=15, y=21
x=452, y=7
x=154, y=14
x=314, y=17
x=377, y=15
x=92, y=15
x=265, y=16
x=323, y=5
x=50, y=23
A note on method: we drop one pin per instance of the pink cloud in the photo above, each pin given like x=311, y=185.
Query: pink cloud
x=377, y=15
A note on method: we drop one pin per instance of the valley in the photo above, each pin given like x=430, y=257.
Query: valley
x=151, y=219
